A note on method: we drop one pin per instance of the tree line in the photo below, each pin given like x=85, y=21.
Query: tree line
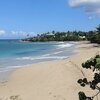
x=92, y=36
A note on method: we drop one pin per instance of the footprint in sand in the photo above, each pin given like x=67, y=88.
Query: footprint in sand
x=57, y=97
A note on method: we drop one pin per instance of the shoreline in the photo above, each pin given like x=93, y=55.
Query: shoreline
x=76, y=52
x=52, y=80
x=54, y=51
x=5, y=74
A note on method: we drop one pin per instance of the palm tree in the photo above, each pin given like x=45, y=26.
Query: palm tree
x=98, y=34
x=53, y=32
x=98, y=29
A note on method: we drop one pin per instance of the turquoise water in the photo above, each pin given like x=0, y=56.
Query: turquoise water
x=12, y=48
x=14, y=54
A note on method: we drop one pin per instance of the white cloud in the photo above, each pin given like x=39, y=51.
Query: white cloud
x=18, y=33
x=2, y=32
x=92, y=7
x=22, y=33
x=15, y=34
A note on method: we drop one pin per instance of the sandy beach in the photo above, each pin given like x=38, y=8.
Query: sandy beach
x=53, y=80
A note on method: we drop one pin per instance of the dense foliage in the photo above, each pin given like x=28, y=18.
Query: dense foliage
x=58, y=36
x=92, y=36
x=93, y=64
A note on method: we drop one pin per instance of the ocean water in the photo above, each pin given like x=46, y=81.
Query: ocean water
x=15, y=54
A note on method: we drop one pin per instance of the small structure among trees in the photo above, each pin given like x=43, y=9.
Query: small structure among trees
x=92, y=36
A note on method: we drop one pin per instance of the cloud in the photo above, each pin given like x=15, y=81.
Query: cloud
x=18, y=33
x=15, y=34
x=2, y=32
x=22, y=33
x=92, y=7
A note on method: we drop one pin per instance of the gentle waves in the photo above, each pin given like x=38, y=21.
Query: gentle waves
x=14, y=54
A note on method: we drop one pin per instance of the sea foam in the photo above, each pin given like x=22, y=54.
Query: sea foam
x=65, y=45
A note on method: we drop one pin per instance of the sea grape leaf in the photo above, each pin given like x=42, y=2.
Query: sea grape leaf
x=97, y=56
x=82, y=96
x=97, y=66
x=98, y=60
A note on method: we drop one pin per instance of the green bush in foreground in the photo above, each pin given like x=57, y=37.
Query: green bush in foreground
x=93, y=64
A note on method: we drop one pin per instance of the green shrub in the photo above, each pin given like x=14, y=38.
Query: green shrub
x=93, y=84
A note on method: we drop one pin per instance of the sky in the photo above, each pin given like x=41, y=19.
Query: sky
x=21, y=17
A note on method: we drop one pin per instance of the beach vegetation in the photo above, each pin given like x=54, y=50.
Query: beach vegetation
x=92, y=36
x=58, y=36
x=94, y=65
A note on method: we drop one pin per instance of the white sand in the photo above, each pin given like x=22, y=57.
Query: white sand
x=54, y=80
